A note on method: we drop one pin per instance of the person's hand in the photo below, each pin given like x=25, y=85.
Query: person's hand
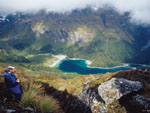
x=18, y=80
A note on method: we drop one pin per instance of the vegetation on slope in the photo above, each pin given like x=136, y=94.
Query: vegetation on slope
x=104, y=36
x=57, y=91
x=39, y=92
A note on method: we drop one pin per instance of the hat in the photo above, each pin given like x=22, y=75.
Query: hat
x=10, y=68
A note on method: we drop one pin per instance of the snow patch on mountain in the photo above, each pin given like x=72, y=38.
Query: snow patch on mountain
x=2, y=18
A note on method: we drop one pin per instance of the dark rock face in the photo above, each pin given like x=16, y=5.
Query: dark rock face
x=58, y=34
x=142, y=100
x=108, y=92
x=89, y=97
x=75, y=105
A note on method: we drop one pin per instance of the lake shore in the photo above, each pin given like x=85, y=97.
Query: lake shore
x=88, y=62
x=124, y=65
x=80, y=66
x=59, y=59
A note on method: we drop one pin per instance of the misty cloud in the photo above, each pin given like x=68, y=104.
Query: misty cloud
x=139, y=9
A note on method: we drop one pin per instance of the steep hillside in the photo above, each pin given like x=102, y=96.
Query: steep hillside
x=128, y=93
x=103, y=36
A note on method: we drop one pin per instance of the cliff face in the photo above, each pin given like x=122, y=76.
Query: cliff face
x=82, y=35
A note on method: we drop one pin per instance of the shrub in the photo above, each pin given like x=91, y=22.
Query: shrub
x=30, y=93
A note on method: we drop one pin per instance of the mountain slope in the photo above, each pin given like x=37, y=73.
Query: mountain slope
x=103, y=36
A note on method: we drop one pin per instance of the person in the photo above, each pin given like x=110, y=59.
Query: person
x=12, y=82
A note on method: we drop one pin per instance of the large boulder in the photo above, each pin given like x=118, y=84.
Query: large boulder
x=100, y=99
x=115, y=88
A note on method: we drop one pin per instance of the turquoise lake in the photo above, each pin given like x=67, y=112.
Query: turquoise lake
x=80, y=67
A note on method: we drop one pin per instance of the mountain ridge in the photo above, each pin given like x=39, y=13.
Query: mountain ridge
x=103, y=36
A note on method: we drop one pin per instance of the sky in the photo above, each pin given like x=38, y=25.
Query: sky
x=139, y=9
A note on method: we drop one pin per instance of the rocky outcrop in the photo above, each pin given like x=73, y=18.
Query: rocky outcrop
x=99, y=99
x=115, y=88
x=82, y=35
x=59, y=34
x=39, y=29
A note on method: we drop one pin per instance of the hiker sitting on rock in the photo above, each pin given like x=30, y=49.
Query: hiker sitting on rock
x=12, y=82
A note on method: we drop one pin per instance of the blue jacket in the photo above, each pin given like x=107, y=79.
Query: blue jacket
x=10, y=80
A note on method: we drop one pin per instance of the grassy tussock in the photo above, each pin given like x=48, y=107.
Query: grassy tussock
x=29, y=98
x=33, y=87
x=33, y=96
x=73, y=86
x=46, y=104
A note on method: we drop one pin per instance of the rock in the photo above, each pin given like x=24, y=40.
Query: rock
x=81, y=35
x=90, y=98
x=99, y=99
x=142, y=100
x=115, y=88
x=75, y=105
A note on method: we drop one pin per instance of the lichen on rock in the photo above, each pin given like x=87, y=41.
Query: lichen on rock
x=115, y=88
x=108, y=92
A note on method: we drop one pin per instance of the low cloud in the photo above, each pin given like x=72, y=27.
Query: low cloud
x=139, y=9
